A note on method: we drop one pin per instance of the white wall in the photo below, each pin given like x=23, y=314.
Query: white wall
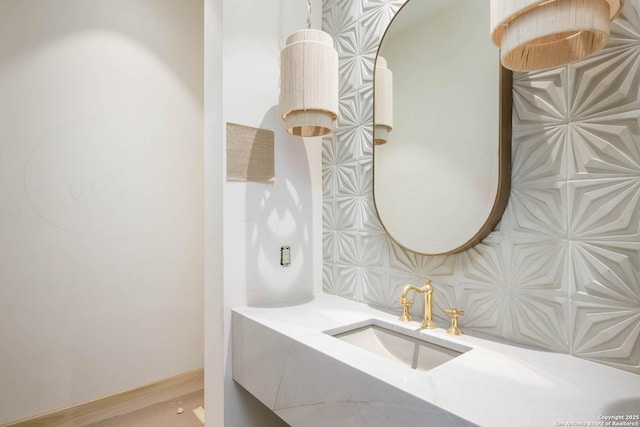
x=213, y=147
x=101, y=231
x=260, y=218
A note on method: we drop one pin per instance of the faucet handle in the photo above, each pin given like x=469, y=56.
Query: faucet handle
x=454, y=313
x=406, y=303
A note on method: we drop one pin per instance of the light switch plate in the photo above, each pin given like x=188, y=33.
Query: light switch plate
x=285, y=255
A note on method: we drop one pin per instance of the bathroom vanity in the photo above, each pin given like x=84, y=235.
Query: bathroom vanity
x=336, y=362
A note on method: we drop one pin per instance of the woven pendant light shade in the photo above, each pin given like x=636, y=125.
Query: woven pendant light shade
x=309, y=83
x=540, y=34
x=383, y=93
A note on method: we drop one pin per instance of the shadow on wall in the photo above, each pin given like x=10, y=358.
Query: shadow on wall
x=280, y=214
x=139, y=22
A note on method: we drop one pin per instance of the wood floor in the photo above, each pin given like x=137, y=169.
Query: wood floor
x=157, y=404
x=164, y=414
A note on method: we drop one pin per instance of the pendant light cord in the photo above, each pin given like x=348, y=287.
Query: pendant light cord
x=308, y=14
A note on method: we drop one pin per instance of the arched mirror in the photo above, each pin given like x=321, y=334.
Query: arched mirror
x=442, y=157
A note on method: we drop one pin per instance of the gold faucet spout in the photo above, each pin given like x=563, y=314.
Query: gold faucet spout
x=427, y=291
x=409, y=288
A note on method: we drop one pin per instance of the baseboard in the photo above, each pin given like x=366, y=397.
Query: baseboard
x=117, y=404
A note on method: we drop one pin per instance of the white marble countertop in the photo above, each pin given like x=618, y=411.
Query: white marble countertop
x=493, y=384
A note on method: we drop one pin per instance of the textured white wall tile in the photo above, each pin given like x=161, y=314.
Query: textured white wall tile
x=535, y=212
x=606, y=332
x=539, y=154
x=539, y=98
x=538, y=265
x=605, y=209
x=376, y=247
x=608, y=270
x=604, y=84
x=419, y=265
x=561, y=271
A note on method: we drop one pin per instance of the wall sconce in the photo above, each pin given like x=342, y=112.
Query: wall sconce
x=383, y=93
x=540, y=34
x=309, y=82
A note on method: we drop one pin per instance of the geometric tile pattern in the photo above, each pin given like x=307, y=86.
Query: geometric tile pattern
x=561, y=271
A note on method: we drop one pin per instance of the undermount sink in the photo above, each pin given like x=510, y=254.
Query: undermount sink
x=414, y=350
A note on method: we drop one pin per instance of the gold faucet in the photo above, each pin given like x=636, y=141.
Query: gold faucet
x=427, y=290
x=454, y=313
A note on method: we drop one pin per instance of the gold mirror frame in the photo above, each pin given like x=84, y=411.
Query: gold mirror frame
x=504, y=157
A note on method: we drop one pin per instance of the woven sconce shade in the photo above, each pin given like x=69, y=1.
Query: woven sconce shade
x=541, y=34
x=383, y=93
x=309, y=83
